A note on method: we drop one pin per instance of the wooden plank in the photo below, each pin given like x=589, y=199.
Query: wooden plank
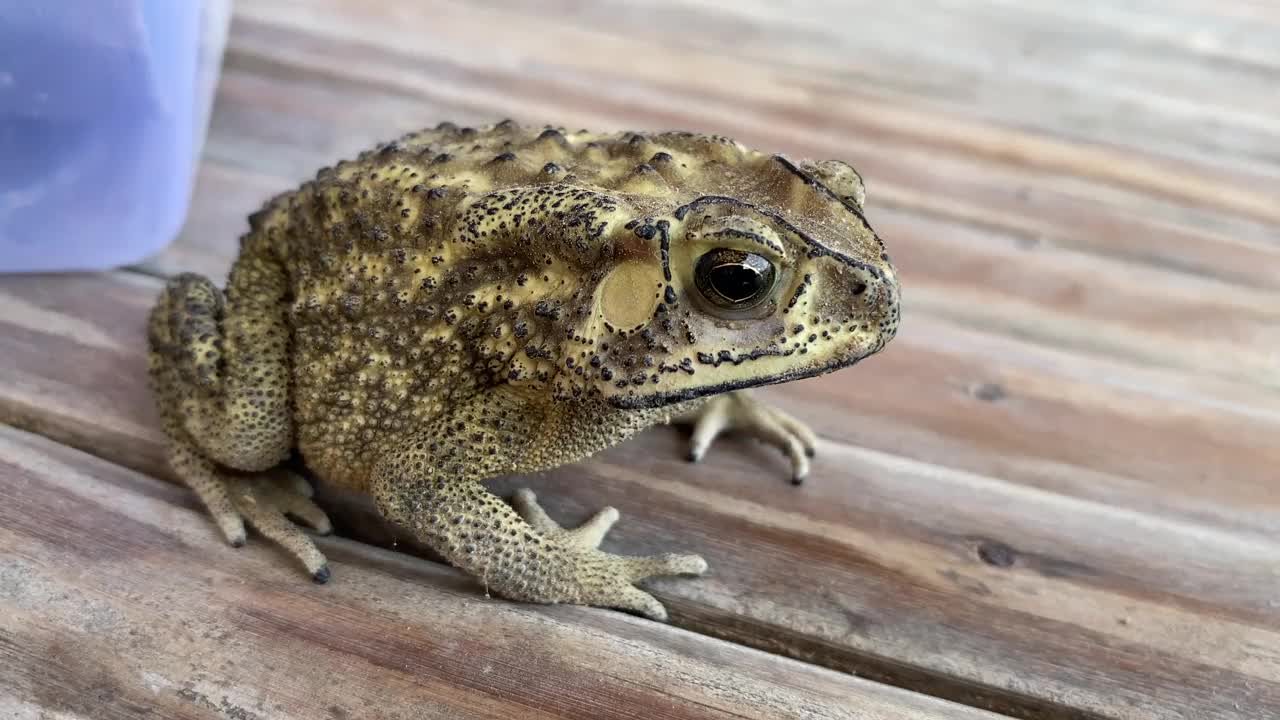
x=119, y=601
x=1030, y=254
x=1076, y=593
x=1065, y=101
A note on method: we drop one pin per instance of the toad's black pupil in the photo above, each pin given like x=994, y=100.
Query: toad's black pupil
x=736, y=282
x=733, y=278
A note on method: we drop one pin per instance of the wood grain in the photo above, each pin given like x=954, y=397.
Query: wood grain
x=118, y=601
x=1072, y=593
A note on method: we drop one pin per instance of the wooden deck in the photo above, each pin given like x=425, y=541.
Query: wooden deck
x=1055, y=495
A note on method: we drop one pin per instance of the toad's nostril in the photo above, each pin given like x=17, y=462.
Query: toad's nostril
x=859, y=288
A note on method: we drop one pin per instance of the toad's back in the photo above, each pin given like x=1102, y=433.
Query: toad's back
x=421, y=269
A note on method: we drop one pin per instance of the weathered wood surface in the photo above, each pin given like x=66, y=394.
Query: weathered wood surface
x=1074, y=593
x=1057, y=494
x=118, y=600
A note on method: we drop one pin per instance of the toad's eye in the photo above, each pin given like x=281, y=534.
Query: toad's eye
x=733, y=278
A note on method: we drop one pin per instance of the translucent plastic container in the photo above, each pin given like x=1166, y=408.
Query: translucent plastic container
x=104, y=106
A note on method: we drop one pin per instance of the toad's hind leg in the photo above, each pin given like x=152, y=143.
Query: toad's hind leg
x=266, y=499
x=229, y=380
x=220, y=379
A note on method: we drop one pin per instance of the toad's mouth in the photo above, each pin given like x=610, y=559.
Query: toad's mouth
x=636, y=401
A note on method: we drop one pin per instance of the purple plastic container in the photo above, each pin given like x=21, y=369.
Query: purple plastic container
x=104, y=106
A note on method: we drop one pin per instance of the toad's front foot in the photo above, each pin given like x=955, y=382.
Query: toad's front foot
x=741, y=411
x=586, y=536
x=606, y=580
